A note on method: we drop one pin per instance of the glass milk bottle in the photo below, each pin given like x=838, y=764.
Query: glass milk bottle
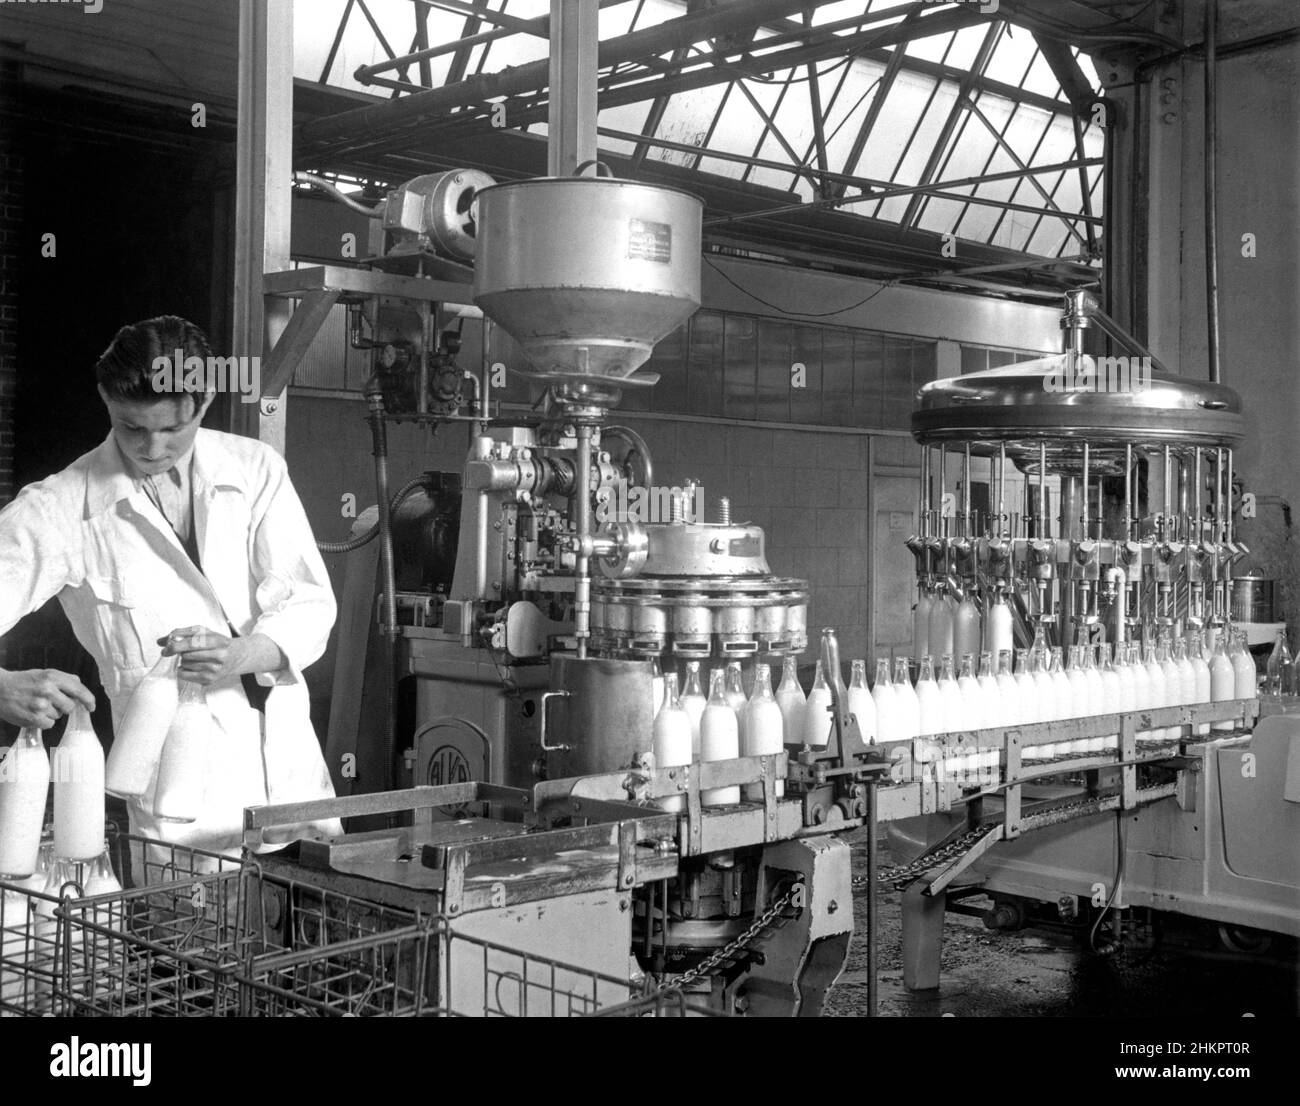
x=792, y=701
x=921, y=623
x=719, y=738
x=78, y=771
x=1223, y=681
x=907, y=711
x=1028, y=710
x=1203, y=684
x=138, y=741
x=1096, y=693
x=1114, y=687
x=24, y=787
x=1155, y=685
x=929, y=701
x=1279, y=673
x=183, y=769
x=1078, y=682
x=1173, y=684
x=817, y=721
x=1008, y=691
x=997, y=626
x=1243, y=668
x=942, y=611
x=656, y=686
x=692, y=701
x=764, y=727
x=672, y=741
x=861, y=705
x=734, y=693
x=967, y=636
x=882, y=695
x=953, y=711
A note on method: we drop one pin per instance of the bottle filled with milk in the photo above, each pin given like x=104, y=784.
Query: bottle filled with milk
x=1223, y=680
x=921, y=623
x=78, y=770
x=719, y=737
x=672, y=741
x=734, y=692
x=907, y=712
x=817, y=721
x=882, y=698
x=692, y=702
x=182, y=771
x=861, y=705
x=792, y=701
x=138, y=740
x=24, y=787
x=764, y=728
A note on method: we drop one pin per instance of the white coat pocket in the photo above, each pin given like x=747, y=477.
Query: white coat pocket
x=124, y=627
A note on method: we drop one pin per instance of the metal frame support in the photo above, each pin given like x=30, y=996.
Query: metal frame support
x=571, y=109
x=263, y=200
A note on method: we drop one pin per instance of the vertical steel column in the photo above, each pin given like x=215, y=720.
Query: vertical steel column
x=263, y=180
x=571, y=99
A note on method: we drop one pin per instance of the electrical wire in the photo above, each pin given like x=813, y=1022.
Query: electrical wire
x=1111, y=947
x=803, y=314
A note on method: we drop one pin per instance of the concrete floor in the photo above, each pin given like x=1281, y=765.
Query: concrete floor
x=1048, y=973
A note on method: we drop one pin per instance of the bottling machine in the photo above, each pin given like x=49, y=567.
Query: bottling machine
x=1142, y=548
x=513, y=792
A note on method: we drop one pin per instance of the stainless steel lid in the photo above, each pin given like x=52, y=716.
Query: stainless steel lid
x=1061, y=401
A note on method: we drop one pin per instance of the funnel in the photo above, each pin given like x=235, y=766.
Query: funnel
x=587, y=273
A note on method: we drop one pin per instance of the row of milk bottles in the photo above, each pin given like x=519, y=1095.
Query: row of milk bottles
x=162, y=744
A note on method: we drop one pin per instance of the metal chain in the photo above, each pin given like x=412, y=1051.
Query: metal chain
x=712, y=963
x=901, y=874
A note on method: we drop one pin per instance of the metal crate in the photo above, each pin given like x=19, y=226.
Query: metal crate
x=40, y=970
x=424, y=970
x=177, y=948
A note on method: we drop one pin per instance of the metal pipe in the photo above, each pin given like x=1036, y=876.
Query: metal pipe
x=1196, y=487
x=1229, y=493
x=965, y=495
x=571, y=103
x=1083, y=487
x=1042, y=492
x=1128, y=491
x=582, y=567
x=1211, y=189
x=1169, y=477
x=1002, y=484
x=943, y=489
x=376, y=212
x=923, y=488
x=872, y=908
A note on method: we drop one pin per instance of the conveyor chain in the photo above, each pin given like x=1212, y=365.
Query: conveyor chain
x=900, y=875
x=716, y=961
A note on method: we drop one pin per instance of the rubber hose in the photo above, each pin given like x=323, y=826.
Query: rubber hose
x=380, y=436
x=365, y=539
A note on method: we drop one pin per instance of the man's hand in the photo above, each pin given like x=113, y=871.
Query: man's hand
x=40, y=696
x=208, y=657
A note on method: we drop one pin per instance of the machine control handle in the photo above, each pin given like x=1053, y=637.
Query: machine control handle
x=547, y=696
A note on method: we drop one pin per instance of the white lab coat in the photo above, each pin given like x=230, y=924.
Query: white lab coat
x=88, y=536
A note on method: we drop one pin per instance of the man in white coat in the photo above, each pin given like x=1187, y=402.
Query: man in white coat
x=168, y=537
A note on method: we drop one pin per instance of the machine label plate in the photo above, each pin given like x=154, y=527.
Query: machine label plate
x=647, y=241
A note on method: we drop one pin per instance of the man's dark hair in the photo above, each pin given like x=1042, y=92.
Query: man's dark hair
x=125, y=369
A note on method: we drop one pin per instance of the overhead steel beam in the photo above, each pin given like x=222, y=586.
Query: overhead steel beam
x=364, y=123
x=1067, y=70
x=1005, y=146
x=539, y=26
x=906, y=190
x=383, y=136
x=338, y=39
x=479, y=10
x=940, y=148
x=655, y=116
x=896, y=62
x=460, y=60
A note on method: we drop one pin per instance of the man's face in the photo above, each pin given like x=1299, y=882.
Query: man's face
x=153, y=436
